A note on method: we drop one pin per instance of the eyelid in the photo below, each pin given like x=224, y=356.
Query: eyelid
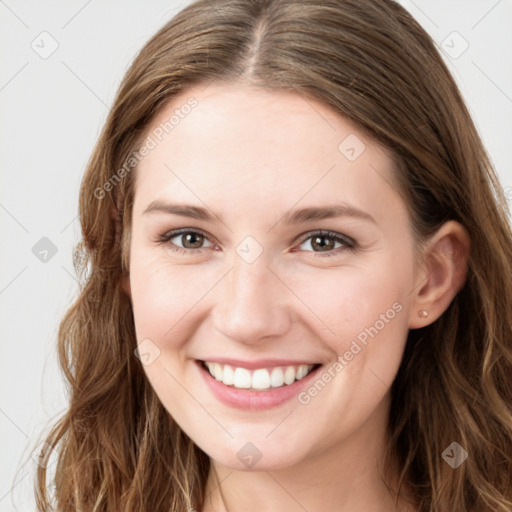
x=348, y=242
x=165, y=238
x=332, y=234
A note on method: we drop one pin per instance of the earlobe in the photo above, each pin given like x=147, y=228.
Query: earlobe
x=442, y=275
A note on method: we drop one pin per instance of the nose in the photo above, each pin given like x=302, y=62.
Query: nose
x=251, y=304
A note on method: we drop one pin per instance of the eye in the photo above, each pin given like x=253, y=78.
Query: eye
x=191, y=240
x=325, y=242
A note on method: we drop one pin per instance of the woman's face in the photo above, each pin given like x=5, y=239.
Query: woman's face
x=251, y=280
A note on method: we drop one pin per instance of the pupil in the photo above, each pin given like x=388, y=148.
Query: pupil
x=189, y=238
x=320, y=245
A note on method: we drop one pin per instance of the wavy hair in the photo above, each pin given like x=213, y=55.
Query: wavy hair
x=116, y=447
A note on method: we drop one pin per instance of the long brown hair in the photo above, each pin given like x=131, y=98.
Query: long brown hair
x=370, y=61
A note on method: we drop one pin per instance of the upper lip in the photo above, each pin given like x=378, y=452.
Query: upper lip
x=253, y=364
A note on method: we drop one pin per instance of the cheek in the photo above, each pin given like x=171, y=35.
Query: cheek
x=163, y=298
x=346, y=301
x=162, y=294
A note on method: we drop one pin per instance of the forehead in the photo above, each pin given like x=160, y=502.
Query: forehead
x=247, y=143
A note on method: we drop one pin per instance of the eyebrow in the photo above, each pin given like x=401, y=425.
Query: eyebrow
x=292, y=217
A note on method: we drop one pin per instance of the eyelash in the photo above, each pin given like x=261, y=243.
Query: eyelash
x=350, y=245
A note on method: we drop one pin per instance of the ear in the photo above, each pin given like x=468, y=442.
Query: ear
x=442, y=273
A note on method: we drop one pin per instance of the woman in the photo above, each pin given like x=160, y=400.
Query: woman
x=298, y=286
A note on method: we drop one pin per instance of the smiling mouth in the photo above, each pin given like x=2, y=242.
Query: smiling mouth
x=258, y=379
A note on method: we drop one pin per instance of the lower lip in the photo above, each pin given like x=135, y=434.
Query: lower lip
x=254, y=400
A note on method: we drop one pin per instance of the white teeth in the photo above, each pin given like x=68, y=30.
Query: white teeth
x=259, y=379
x=217, y=371
x=277, y=378
x=242, y=378
x=229, y=375
x=302, y=371
x=289, y=375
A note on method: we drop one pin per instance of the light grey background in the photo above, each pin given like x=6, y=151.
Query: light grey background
x=52, y=109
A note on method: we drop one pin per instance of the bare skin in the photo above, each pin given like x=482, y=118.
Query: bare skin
x=251, y=156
